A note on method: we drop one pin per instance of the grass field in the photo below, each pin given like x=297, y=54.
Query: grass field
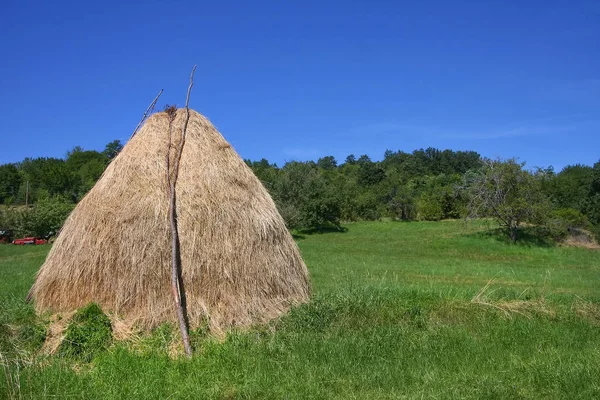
x=399, y=310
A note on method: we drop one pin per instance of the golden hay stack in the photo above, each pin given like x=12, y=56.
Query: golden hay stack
x=239, y=263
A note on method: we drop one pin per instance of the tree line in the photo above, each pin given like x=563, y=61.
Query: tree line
x=70, y=177
x=37, y=194
x=431, y=185
x=427, y=184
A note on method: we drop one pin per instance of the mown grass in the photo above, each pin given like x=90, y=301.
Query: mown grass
x=400, y=310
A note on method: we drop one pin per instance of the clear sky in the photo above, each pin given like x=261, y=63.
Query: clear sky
x=297, y=80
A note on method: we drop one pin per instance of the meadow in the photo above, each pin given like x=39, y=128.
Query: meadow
x=436, y=310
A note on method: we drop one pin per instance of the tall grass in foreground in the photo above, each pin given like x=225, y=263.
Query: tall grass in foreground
x=400, y=310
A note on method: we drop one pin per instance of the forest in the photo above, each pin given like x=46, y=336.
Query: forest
x=37, y=194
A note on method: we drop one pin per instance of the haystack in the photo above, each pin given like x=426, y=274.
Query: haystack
x=239, y=263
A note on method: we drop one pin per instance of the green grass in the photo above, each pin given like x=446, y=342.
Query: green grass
x=392, y=316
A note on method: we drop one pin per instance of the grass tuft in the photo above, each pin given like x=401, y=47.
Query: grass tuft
x=88, y=333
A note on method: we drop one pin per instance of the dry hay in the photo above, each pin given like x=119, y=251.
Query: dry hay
x=587, y=309
x=581, y=238
x=513, y=306
x=56, y=332
x=240, y=265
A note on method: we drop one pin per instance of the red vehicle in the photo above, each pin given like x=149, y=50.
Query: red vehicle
x=29, y=240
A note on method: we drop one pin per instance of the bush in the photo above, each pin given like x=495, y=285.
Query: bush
x=564, y=220
x=367, y=206
x=304, y=199
x=89, y=333
x=44, y=218
x=15, y=220
x=48, y=216
x=508, y=193
x=596, y=232
x=401, y=205
x=429, y=208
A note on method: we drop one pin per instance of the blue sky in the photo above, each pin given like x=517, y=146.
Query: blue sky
x=297, y=80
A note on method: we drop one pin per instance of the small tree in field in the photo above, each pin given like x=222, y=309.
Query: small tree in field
x=508, y=193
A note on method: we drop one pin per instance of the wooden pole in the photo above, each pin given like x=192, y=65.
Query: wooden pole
x=148, y=111
x=176, y=273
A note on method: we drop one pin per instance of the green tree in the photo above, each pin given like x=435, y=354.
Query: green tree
x=401, y=203
x=45, y=217
x=265, y=171
x=327, y=163
x=304, y=198
x=112, y=149
x=397, y=195
x=86, y=167
x=48, y=215
x=592, y=205
x=370, y=173
x=429, y=207
x=10, y=180
x=508, y=193
x=49, y=175
x=570, y=187
x=595, y=187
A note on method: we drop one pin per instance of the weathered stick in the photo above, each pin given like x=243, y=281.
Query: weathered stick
x=148, y=111
x=176, y=274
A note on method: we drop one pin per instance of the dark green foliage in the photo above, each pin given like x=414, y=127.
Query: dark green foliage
x=595, y=187
x=265, y=171
x=10, y=181
x=440, y=198
x=570, y=187
x=71, y=177
x=401, y=203
x=88, y=334
x=576, y=187
x=592, y=205
x=112, y=149
x=327, y=163
x=369, y=173
x=50, y=176
x=427, y=184
x=431, y=161
x=596, y=232
x=87, y=167
x=304, y=198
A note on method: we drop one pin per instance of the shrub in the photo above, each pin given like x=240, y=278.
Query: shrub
x=429, y=208
x=564, y=220
x=48, y=216
x=596, y=232
x=508, y=193
x=15, y=220
x=304, y=198
x=88, y=333
x=45, y=217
